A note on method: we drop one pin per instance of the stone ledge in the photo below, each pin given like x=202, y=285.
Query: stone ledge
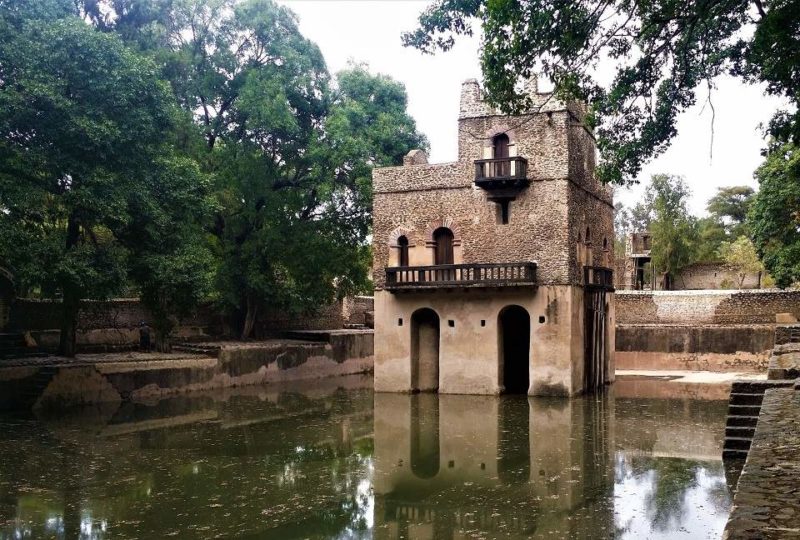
x=767, y=499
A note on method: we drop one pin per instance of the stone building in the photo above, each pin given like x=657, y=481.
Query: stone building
x=492, y=272
x=634, y=272
x=637, y=274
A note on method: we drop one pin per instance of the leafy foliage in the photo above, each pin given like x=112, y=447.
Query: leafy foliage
x=774, y=217
x=741, y=255
x=81, y=118
x=672, y=228
x=290, y=151
x=665, y=51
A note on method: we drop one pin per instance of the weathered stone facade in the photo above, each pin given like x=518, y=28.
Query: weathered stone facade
x=562, y=221
x=706, y=307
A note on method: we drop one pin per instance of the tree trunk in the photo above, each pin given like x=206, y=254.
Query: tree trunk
x=250, y=317
x=69, y=323
x=71, y=301
x=162, y=342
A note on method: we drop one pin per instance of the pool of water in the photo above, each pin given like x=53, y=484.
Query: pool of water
x=331, y=459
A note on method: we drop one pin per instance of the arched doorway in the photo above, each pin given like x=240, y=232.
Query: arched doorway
x=424, y=350
x=514, y=325
x=500, y=145
x=443, y=238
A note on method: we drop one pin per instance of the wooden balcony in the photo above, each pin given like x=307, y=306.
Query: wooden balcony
x=598, y=277
x=502, y=174
x=455, y=276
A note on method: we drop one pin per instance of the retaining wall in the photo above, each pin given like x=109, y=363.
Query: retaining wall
x=708, y=348
x=705, y=307
x=57, y=383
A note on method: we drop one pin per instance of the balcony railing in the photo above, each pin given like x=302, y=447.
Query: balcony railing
x=598, y=277
x=461, y=275
x=501, y=172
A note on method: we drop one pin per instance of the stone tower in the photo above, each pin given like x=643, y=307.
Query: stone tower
x=492, y=273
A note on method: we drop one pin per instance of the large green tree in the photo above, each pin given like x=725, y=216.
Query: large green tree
x=673, y=229
x=289, y=149
x=774, y=217
x=667, y=54
x=729, y=206
x=82, y=118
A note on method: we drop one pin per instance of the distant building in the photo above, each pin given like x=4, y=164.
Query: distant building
x=492, y=273
x=637, y=274
x=634, y=271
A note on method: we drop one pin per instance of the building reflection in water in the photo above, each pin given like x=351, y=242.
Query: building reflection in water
x=629, y=466
x=508, y=466
x=323, y=461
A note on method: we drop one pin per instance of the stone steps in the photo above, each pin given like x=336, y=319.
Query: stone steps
x=735, y=420
x=197, y=348
x=13, y=345
x=744, y=407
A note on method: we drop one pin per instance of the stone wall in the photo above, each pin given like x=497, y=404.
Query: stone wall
x=707, y=348
x=706, y=307
x=349, y=310
x=714, y=276
x=58, y=383
x=113, y=324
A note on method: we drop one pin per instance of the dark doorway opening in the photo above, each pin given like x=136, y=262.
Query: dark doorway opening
x=515, y=338
x=424, y=350
x=425, y=453
x=514, y=444
x=443, y=237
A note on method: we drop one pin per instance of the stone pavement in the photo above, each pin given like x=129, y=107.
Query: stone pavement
x=767, y=500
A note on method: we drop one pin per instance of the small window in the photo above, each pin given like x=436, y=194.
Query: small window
x=399, y=322
x=483, y=322
x=451, y=323
x=588, y=236
x=402, y=244
x=605, y=243
x=541, y=319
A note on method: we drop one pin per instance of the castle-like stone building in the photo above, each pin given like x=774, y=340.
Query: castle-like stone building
x=492, y=273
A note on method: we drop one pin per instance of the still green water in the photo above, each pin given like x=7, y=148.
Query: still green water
x=330, y=459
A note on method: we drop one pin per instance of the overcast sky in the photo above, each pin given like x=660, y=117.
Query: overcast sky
x=369, y=31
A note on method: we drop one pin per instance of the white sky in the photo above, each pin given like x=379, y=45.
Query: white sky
x=369, y=31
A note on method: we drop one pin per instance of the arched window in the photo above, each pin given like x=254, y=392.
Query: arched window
x=402, y=244
x=588, y=237
x=605, y=243
x=500, y=143
x=443, y=238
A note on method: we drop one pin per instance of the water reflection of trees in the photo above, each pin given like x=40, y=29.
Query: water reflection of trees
x=287, y=466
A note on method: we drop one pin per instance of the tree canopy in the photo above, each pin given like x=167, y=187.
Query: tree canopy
x=188, y=151
x=667, y=55
x=774, y=217
x=82, y=118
